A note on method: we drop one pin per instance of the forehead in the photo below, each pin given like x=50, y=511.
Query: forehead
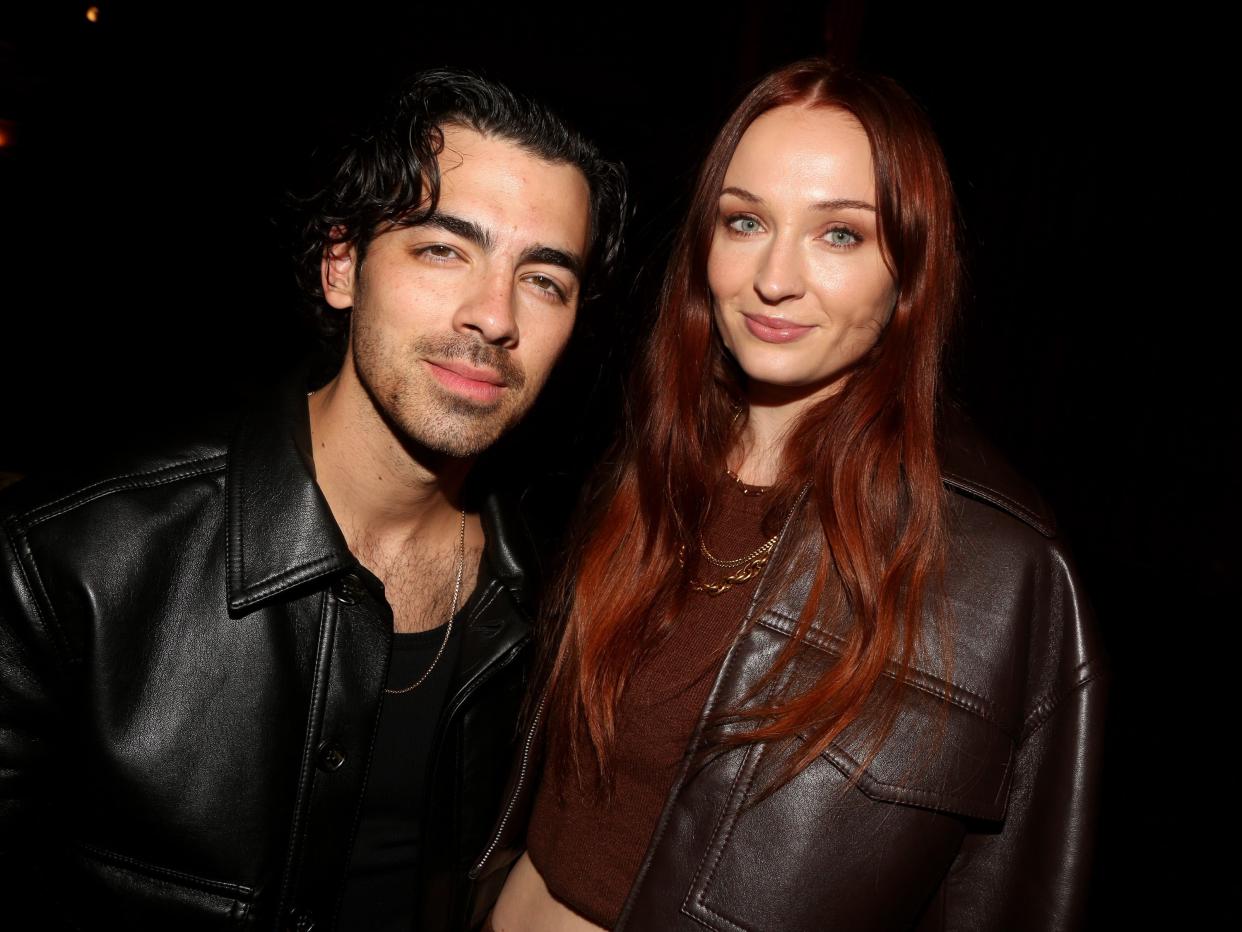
x=817, y=152
x=513, y=192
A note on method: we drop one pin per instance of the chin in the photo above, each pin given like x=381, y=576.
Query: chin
x=779, y=373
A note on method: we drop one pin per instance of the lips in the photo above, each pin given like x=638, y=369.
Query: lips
x=461, y=378
x=774, y=329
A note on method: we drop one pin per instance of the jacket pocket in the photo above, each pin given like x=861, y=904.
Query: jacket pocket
x=821, y=852
x=115, y=891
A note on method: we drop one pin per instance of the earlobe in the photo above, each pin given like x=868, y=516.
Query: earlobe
x=336, y=274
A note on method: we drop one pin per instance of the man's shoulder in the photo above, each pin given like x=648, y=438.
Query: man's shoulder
x=195, y=451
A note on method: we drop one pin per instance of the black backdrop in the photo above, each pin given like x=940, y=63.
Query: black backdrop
x=145, y=277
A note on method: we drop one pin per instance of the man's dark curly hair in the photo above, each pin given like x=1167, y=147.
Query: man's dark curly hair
x=388, y=174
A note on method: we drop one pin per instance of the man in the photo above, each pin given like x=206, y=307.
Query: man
x=200, y=726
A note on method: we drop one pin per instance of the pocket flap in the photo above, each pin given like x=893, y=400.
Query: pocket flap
x=938, y=755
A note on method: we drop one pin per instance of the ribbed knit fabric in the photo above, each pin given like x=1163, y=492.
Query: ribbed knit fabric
x=589, y=852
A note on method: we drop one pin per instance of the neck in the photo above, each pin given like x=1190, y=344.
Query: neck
x=382, y=488
x=771, y=411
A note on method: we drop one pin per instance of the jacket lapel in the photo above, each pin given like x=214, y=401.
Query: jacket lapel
x=281, y=532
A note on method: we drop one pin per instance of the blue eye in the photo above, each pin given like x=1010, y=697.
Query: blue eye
x=747, y=226
x=842, y=238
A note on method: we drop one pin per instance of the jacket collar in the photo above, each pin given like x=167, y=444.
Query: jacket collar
x=281, y=532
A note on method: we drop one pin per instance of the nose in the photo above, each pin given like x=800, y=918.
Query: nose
x=779, y=276
x=488, y=311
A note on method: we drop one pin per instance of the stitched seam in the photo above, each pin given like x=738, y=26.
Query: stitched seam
x=459, y=806
x=231, y=571
x=489, y=596
x=306, y=778
x=1003, y=501
x=179, y=876
x=697, y=891
x=1047, y=706
x=46, y=512
x=699, y=920
x=913, y=795
x=949, y=692
x=50, y=624
x=277, y=581
x=469, y=687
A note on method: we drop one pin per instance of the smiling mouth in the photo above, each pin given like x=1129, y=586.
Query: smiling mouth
x=462, y=379
x=774, y=329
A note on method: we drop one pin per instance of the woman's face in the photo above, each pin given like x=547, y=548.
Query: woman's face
x=800, y=286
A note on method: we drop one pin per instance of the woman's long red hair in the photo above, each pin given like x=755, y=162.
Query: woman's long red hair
x=874, y=522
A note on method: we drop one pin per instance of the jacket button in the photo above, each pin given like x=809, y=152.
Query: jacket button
x=300, y=921
x=331, y=756
x=348, y=589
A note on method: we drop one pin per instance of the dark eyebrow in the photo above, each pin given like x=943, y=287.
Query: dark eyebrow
x=469, y=230
x=840, y=203
x=466, y=229
x=547, y=255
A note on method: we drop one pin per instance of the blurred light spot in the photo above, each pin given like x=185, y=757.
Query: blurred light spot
x=8, y=133
x=92, y=13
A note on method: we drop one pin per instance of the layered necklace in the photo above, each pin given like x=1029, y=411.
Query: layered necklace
x=739, y=569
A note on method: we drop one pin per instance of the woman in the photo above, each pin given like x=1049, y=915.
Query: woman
x=825, y=664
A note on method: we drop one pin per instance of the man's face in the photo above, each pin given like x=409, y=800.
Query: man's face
x=457, y=322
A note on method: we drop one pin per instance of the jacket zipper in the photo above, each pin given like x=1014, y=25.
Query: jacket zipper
x=517, y=790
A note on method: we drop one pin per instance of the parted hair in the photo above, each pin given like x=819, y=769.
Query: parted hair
x=871, y=532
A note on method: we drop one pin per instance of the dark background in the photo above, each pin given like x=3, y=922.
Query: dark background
x=146, y=275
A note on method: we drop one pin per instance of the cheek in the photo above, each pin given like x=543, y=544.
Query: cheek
x=544, y=347
x=725, y=278
x=723, y=273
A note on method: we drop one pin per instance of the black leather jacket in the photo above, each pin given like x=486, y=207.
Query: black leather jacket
x=191, y=671
x=978, y=812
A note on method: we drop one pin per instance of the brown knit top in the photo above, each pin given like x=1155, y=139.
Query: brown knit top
x=589, y=852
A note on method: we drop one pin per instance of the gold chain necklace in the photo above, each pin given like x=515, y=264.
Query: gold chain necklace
x=758, y=551
x=751, y=564
x=461, y=566
x=750, y=571
x=745, y=489
x=729, y=564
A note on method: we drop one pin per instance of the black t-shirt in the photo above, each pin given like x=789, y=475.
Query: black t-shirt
x=380, y=883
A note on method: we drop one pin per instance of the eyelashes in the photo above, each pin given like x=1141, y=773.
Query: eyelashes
x=549, y=287
x=545, y=286
x=743, y=224
x=842, y=237
x=437, y=252
x=839, y=235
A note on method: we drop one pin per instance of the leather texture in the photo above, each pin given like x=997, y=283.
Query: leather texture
x=977, y=812
x=191, y=673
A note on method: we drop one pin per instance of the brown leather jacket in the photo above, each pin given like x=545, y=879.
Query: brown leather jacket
x=978, y=811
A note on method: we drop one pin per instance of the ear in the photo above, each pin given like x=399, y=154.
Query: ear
x=337, y=274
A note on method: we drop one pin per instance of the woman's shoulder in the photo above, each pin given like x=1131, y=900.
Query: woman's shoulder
x=1015, y=594
x=973, y=469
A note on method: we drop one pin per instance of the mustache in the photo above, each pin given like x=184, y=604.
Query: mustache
x=469, y=349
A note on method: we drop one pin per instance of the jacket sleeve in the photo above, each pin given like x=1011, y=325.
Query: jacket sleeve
x=29, y=673
x=1032, y=872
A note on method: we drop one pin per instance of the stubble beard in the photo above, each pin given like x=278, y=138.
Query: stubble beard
x=421, y=411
